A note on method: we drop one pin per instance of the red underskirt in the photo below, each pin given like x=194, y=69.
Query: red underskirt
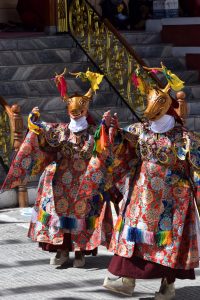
x=139, y=268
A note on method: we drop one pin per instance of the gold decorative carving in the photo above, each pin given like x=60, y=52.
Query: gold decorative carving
x=6, y=137
x=62, y=18
x=11, y=136
x=109, y=51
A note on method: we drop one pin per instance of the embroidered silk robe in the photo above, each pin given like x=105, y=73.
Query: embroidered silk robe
x=71, y=196
x=157, y=218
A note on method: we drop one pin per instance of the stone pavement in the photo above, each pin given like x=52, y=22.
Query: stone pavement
x=25, y=272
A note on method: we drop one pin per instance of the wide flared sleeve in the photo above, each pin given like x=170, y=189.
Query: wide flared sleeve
x=30, y=160
x=193, y=147
x=125, y=152
x=187, y=148
x=39, y=148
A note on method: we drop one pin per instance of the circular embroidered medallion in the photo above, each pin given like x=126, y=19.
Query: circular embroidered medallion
x=157, y=183
x=61, y=205
x=80, y=207
x=16, y=172
x=26, y=162
x=58, y=190
x=179, y=192
x=97, y=177
x=79, y=165
x=26, y=149
x=67, y=178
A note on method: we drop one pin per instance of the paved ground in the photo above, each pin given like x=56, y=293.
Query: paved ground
x=25, y=272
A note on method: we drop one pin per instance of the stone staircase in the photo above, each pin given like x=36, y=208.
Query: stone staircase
x=149, y=47
x=27, y=66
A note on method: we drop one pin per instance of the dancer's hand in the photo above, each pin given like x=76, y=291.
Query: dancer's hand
x=107, y=118
x=35, y=110
x=115, y=121
x=36, y=113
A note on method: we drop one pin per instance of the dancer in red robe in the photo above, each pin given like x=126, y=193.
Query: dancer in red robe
x=156, y=234
x=72, y=209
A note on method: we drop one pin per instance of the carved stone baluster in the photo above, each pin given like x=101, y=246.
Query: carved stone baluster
x=182, y=110
x=17, y=126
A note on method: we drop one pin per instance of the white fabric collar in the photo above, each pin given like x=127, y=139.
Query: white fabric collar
x=78, y=125
x=164, y=124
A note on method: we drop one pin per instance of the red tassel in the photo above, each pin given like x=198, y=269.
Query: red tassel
x=62, y=86
x=103, y=137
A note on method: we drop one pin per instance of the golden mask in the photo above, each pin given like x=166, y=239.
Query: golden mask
x=77, y=105
x=158, y=103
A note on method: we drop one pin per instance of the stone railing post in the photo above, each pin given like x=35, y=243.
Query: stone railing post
x=17, y=123
x=182, y=110
x=17, y=126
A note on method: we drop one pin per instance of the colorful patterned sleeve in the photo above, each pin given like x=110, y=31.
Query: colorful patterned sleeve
x=125, y=157
x=30, y=160
x=194, y=161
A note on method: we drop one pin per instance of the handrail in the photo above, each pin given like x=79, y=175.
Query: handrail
x=109, y=51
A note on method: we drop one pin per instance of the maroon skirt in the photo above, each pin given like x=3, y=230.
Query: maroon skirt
x=66, y=245
x=139, y=268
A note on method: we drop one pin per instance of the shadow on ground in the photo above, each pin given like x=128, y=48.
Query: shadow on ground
x=93, y=263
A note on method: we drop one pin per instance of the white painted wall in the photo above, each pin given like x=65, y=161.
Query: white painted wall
x=9, y=198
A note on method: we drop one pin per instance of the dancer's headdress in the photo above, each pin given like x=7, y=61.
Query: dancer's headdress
x=159, y=101
x=77, y=102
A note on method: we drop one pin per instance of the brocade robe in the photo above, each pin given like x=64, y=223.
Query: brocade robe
x=157, y=218
x=71, y=196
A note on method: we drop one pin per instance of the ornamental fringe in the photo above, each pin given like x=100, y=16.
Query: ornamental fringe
x=44, y=217
x=75, y=223
x=161, y=238
x=100, y=139
x=79, y=224
x=119, y=224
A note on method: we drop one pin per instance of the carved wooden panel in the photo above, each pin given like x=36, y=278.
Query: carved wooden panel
x=11, y=134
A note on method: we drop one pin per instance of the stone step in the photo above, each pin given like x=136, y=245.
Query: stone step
x=188, y=76
x=193, y=123
x=37, y=43
x=45, y=56
x=60, y=115
x=141, y=37
x=172, y=63
x=194, y=107
x=50, y=103
x=46, y=87
x=37, y=88
x=41, y=71
x=192, y=92
x=153, y=50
